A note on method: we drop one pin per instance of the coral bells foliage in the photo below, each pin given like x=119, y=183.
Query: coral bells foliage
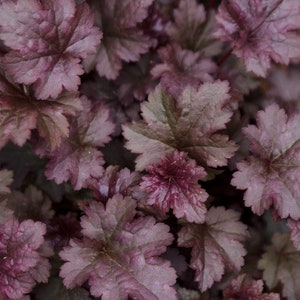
x=22, y=262
x=78, y=158
x=154, y=144
x=260, y=30
x=190, y=123
x=173, y=183
x=47, y=41
x=19, y=114
x=122, y=39
x=243, y=288
x=181, y=68
x=119, y=254
x=271, y=174
x=216, y=245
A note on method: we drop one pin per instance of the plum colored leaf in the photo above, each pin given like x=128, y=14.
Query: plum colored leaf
x=216, y=245
x=77, y=158
x=192, y=28
x=271, y=175
x=244, y=288
x=190, y=124
x=259, y=31
x=20, y=112
x=281, y=265
x=173, y=184
x=115, y=181
x=122, y=39
x=181, y=68
x=119, y=254
x=31, y=204
x=47, y=41
x=21, y=260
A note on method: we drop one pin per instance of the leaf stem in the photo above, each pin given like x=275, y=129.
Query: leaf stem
x=224, y=57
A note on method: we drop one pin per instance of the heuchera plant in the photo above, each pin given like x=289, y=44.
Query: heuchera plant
x=149, y=149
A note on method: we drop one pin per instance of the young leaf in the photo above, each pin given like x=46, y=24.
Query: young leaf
x=181, y=68
x=122, y=40
x=77, y=158
x=281, y=264
x=244, y=288
x=119, y=254
x=47, y=41
x=173, y=183
x=260, y=31
x=21, y=260
x=190, y=124
x=115, y=181
x=216, y=245
x=271, y=175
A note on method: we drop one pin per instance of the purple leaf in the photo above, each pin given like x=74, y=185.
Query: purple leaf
x=119, y=254
x=271, y=175
x=192, y=28
x=244, y=288
x=216, y=245
x=78, y=159
x=47, y=41
x=20, y=113
x=260, y=31
x=122, y=39
x=190, y=124
x=181, y=68
x=173, y=184
x=20, y=257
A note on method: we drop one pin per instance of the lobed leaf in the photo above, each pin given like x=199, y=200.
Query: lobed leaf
x=119, y=255
x=260, y=31
x=190, y=124
x=271, y=174
x=47, y=41
x=216, y=245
